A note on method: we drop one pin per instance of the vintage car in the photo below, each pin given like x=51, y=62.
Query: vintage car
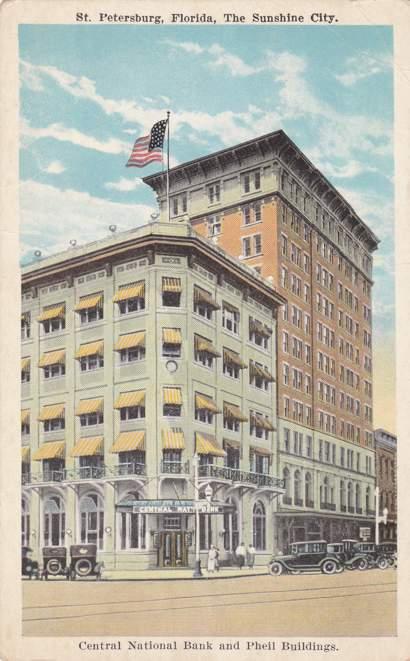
x=375, y=556
x=389, y=551
x=84, y=561
x=353, y=557
x=306, y=557
x=55, y=562
x=29, y=567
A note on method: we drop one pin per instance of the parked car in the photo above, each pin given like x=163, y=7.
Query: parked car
x=353, y=556
x=389, y=551
x=55, y=562
x=375, y=556
x=306, y=556
x=84, y=561
x=29, y=567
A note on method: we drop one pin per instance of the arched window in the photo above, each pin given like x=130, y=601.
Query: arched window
x=342, y=494
x=132, y=527
x=231, y=527
x=297, y=487
x=25, y=523
x=286, y=477
x=259, y=526
x=308, y=490
x=92, y=520
x=350, y=494
x=53, y=521
x=358, y=497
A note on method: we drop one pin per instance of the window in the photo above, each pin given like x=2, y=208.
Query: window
x=90, y=308
x=133, y=304
x=285, y=374
x=284, y=245
x=25, y=325
x=25, y=372
x=286, y=439
x=171, y=292
x=92, y=520
x=230, y=318
x=259, y=526
x=90, y=363
x=259, y=333
x=251, y=181
x=25, y=523
x=54, y=325
x=54, y=521
x=171, y=342
x=204, y=305
x=246, y=211
x=132, y=354
x=204, y=352
x=214, y=192
x=54, y=371
x=54, y=424
x=179, y=204
x=309, y=446
x=286, y=407
x=259, y=375
x=297, y=487
x=132, y=526
x=214, y=226
x=257, y=243
x=246, y=247
x=204, y=415
x=91, y=419
x=284, y=277
x=132, y=412
x=232, y=364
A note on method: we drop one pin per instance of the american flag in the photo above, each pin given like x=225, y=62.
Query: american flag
x=148, y=148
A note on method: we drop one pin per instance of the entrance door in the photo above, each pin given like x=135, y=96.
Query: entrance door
x=173, y=549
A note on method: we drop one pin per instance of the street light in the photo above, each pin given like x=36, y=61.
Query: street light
x=197, y=571
x=379, y=518
x=208, y=493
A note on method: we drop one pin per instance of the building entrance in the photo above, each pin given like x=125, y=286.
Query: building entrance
x=173, y=549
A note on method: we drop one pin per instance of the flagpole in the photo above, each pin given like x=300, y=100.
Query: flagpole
x=169, y=215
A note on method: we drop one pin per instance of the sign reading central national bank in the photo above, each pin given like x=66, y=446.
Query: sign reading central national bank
x=173, y=506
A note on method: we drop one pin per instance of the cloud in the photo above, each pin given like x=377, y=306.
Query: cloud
x=374, y=208
x=54, y=167
x=186, y=46
x=86, y=216
x=235, y=65
x=65, y=134
x=364, y=65
x=123, y=184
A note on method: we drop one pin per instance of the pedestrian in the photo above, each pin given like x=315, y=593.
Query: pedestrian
x=240, y=553
x=217, y=558
x=251, y=556
x=212, y=557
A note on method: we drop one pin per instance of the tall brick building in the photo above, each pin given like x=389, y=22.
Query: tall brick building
x=264, y=202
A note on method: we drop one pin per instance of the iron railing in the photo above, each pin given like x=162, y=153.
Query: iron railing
x=237, y=475
x=175, y=467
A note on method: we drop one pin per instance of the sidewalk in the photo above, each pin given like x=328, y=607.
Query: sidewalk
x=179, y=574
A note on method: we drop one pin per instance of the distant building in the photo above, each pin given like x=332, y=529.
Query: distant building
x=139, y=351
x=265, y=203
x=386, y=479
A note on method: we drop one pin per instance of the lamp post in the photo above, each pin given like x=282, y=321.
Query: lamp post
x=378, y=518
x=197, y=571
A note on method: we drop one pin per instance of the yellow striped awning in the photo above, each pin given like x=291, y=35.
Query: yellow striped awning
x=52, y=312
x=51, y=450
x=25, y=454
x=130, y=341
x=206, y=444
x=91, y=301
x=233, y=412
x=52, y=358
x=25, y=364
x=52, y=412
x=201, y=344
x=257, y=370
x=134, y=290
x=258, y=327
x=173, y=439
x=128, y=441
x=90, y=349
x=172, y=284
x=90, y=406
x=234, y=359
x=171, y=336
x=202, y=296
x=133, y=398
x=88, y=447
x=262, y=422
x=259, y=450
x=203, y=402
x=229, y=443
x=173, y=396
x=25, y=416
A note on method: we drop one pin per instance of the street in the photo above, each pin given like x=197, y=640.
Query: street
x=348, y=604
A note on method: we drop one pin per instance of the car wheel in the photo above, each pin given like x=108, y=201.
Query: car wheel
x=83, y=567
x=276, y=569
x=362, y=564
x=329, y=567
x=339, y=569
x=382, y=563
x=54, y=566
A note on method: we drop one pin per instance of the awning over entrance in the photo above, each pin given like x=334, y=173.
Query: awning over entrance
x=88, y=447
x=129, y=441
x=207, y=444
x=55, y=450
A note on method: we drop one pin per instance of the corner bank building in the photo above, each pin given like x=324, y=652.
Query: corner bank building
x=138, y=352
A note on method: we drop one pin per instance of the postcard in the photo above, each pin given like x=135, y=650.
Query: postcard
x=205, y=246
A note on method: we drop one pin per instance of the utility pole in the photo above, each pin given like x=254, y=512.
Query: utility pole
x=378, y=518
x=197, y=571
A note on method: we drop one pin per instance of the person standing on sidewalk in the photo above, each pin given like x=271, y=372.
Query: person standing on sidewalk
x=240, y=553
x=251, y=556
x=212, y=557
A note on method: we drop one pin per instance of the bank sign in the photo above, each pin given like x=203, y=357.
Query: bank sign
x=173, y=507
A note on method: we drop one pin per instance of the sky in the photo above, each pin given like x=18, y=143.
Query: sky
x=87, y=92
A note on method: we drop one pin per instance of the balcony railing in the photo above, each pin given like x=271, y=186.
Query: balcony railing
x=175, y=467
x=237, y=475
x=84, y=473
x=328, y=506
x=44, y=476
